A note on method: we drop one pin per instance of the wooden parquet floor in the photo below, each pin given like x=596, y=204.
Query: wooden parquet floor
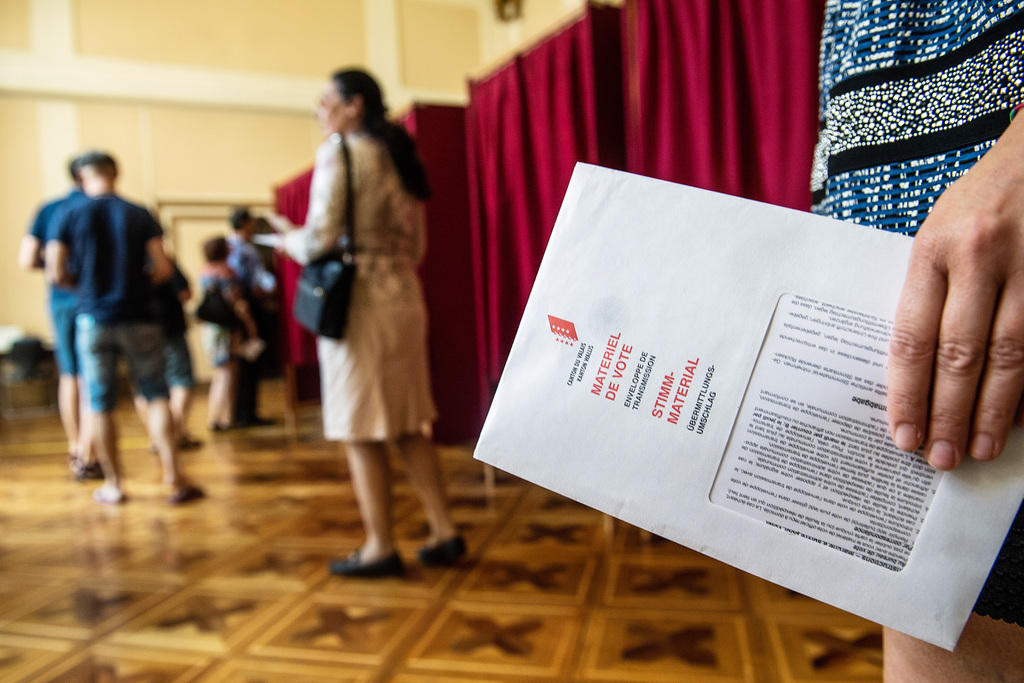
x=235, y=588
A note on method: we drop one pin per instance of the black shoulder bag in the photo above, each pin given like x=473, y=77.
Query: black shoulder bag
x=214, y=308
x=325, y=285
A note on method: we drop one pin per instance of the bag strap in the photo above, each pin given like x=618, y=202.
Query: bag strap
x=348, y=244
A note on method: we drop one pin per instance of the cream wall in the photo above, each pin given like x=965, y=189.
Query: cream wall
x=14, y=24
x=207, y=103
x=303, y=38
x=20, y=170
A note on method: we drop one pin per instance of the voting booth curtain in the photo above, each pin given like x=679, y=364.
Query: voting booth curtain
x=297, y=345
x=447, y=274
x=447, y=271
x=723, y=94
x=528, y=123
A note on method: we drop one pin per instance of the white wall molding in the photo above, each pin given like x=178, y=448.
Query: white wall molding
x=103, y=78
x=112, y=79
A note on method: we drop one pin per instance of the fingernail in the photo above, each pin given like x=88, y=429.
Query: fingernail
x=905, y=437
x=942, y=455
x=983, y=447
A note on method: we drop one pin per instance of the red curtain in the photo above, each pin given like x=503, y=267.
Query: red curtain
x=447, y=273
x=722, y=94
x=528, y=123
x=298, y=347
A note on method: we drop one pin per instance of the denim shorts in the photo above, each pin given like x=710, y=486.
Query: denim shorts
x=63, y=316
x=100, y=346
x=178, y=362
x=217, y=342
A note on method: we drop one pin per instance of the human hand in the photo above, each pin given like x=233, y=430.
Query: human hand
x=956, y=359
x=278, y=222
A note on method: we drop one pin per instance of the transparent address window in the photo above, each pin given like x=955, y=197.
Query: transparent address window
x=810, y=452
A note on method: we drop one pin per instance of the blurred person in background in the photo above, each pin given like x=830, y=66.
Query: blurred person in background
x=255, y=284
x=921, y=134
x=170, y=296
x=63, y=304
x=375, y=382
x=112, y=251
x=223, y=340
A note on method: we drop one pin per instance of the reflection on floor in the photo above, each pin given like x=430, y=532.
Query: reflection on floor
x=235, y=588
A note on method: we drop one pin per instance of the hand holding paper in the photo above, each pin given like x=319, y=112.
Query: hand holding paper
x=278, y=222
x=275, y=241
x=713, y=370
x=973, y=336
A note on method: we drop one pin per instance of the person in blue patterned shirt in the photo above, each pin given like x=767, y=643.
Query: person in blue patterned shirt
x=256, y=284
x=919, y=135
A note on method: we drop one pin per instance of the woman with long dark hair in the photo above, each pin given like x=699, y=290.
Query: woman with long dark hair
x=375, y=382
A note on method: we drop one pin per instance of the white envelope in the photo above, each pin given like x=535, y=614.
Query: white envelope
x=274, y=240
x=712, y=369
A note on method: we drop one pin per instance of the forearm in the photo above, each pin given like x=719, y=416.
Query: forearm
x=161, y=272
x=161, y=268
x=30, y=253
x=241, y=308
x=56, y=265
x=307, y=243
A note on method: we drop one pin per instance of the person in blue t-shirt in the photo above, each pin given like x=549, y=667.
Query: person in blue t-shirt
x=63, y=304
x=112, y=251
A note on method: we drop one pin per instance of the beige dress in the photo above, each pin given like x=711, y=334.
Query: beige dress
x=375, y=382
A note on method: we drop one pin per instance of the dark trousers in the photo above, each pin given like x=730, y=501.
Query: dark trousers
x=247, y=388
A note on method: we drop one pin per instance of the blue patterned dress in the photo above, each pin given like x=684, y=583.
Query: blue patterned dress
x=913, y=93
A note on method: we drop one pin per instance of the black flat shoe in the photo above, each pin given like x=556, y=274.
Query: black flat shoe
x=351, y=566
x=186, y=494
x=444, y=554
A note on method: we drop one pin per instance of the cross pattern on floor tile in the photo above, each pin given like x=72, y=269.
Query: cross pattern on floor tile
x=97, y=558
x=560, y=533
x=288, y=501
x=327, y=525
x=653, y=581
x=9, y=659
x=159, y=527
x=108, y=673
x=507, y=574
x=838, y=650
x=206, y=616
x=276, y=563
x=320, y=470
x=88, y=606
x=687, y=644
x=422, y=530
x=183, y=560
x=245, y=525
x=336, y=621
x=510, y=639
x=306, y=472
x=471, y=502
